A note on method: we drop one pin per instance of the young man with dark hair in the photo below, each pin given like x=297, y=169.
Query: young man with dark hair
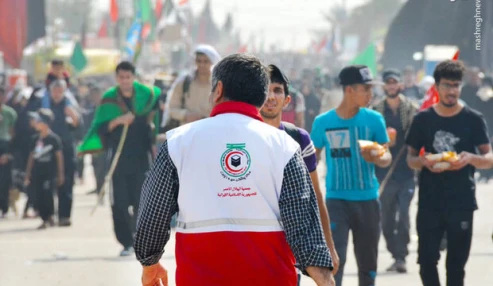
x=45, y=167
x=245, y=199
x=447, y=198
x=398, y=112
x=133, y=104
x=352, y=187
x=278, y=97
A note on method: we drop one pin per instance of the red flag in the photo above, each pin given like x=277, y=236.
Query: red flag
x=159, y=8
x=182, y=2
x=146, y=30
x=13, y=37
x=103, y=30
x=431, y=98
x=243, y=49
x=321, y=44
x=113, y=11
x=456, y=55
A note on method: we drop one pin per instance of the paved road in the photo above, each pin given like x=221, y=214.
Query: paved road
x=87, y=252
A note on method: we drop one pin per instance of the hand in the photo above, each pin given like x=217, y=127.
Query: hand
x=429, y=164
x=154, y=275
x=27, y=181
x=4, y=159
x=465, y=158
x=335, y=261
x=127, y=119
x=60, y=180
x=392, y=136
x=321, y=275
x=191, y=117
x=366, y=153
x=68, y=111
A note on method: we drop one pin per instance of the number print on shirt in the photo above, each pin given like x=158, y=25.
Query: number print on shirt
x=445, y=141
x=339, y=140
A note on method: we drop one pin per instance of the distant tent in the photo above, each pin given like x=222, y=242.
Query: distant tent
x=409, y=34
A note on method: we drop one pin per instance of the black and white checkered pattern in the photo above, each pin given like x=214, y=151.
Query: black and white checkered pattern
x=159, y=202
x=297, y=203
x=301, y=218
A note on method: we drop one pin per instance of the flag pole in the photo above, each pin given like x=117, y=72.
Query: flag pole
x=114, y=162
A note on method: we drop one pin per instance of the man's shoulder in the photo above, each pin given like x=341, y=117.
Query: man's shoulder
x=54, y=137
x=304, y=136
x=425, y=115
x=110, y=93
x=473, y=113
x=328, y=115
x=408, y=103
x=8, y=110
x=370, y=114
x=184, y=79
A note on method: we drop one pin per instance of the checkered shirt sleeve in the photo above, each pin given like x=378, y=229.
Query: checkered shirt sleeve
x=300, y=217
x=158, y=203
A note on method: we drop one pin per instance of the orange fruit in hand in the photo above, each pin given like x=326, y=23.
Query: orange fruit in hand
x=392, y=133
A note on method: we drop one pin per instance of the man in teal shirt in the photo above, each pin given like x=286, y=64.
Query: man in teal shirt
x=7, y=120
x=352, y=187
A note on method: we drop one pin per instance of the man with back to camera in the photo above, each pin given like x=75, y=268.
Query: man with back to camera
x=352, y=187
x=246, y=204
x=447, y=198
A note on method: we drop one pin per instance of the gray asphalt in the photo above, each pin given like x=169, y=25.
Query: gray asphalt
x=87, y=252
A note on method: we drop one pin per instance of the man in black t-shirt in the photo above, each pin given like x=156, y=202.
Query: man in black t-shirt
x=447, y=194
x=45, y=170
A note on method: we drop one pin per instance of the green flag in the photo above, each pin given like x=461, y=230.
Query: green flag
x=368, y=57
x=146, y=11
x=78, y=59
x=146, y=14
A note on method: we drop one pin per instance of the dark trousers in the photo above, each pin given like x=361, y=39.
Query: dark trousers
x=363, y=219
x=99, y=166
x=125, y=193
x=65, y=192
x=79, y=166
x=5, y=179
x=44, y=190
x=431, y=226
x=395, y=201
x=5, y=184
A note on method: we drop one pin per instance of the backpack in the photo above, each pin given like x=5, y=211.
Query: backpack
x=173, y=123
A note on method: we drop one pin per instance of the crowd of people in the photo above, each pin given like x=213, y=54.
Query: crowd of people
x=161, y=144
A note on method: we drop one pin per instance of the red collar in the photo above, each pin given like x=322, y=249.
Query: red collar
x=236, y=107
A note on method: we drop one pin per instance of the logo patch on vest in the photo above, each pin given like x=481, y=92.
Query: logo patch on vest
x=235, y=162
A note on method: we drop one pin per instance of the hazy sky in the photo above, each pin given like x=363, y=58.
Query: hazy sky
x=286, y=23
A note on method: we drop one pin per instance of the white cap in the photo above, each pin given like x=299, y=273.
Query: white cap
x=210, y=52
